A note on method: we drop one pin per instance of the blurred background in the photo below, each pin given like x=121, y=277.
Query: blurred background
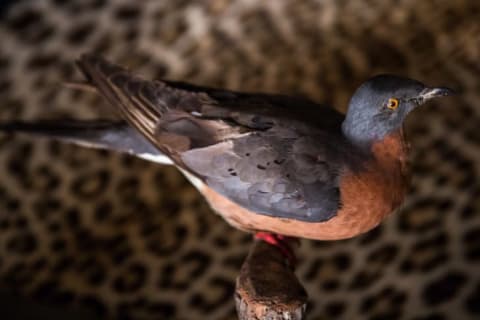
x=91, y=234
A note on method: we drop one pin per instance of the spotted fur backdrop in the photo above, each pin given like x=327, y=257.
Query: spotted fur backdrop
x=123, y=238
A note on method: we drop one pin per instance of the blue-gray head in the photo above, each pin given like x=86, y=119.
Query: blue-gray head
x=381, y=104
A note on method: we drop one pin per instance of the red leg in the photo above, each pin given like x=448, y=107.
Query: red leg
x=281, y=242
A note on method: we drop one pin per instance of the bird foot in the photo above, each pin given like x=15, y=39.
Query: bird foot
x=282, y=243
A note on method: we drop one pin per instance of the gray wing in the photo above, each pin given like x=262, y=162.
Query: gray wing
x=271, y=154
x=281, y=176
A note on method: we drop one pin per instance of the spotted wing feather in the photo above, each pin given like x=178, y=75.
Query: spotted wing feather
x=270, y=154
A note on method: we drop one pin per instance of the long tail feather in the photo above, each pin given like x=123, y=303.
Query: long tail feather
x=109, y=135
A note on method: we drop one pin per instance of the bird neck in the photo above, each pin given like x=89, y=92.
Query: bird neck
x=376, y=144
x=389, y=155
x=393, y=149
x=363, y=136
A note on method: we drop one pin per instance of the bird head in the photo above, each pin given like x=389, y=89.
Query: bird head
x=381, y=104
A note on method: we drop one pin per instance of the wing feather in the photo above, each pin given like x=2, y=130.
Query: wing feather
x=262, y=150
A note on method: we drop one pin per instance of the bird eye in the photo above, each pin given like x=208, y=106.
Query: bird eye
x=392, y=104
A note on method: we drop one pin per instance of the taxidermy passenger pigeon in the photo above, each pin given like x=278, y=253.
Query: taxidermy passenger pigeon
x=279, y=165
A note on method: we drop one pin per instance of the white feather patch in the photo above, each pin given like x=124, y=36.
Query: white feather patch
x=157, y=158
x=197, y=183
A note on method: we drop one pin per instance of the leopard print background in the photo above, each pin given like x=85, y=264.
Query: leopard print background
x=124, y=238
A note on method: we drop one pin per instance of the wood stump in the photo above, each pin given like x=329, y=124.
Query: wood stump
x=267, y=287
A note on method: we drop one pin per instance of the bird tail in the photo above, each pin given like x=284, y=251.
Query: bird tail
x=73, y=131
x=99, y=134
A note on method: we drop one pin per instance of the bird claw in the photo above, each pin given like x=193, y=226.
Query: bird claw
x=282, y=243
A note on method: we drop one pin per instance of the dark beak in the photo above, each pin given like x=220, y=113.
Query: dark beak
x=430, y=93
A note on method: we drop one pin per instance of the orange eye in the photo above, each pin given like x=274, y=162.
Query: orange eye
x=392, y=104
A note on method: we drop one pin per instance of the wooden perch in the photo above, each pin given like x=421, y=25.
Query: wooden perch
x=267, y=287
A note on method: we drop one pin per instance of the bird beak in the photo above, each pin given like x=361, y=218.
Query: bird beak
x=430, y=93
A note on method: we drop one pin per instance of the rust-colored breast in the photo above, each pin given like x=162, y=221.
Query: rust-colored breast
x=367, y=198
